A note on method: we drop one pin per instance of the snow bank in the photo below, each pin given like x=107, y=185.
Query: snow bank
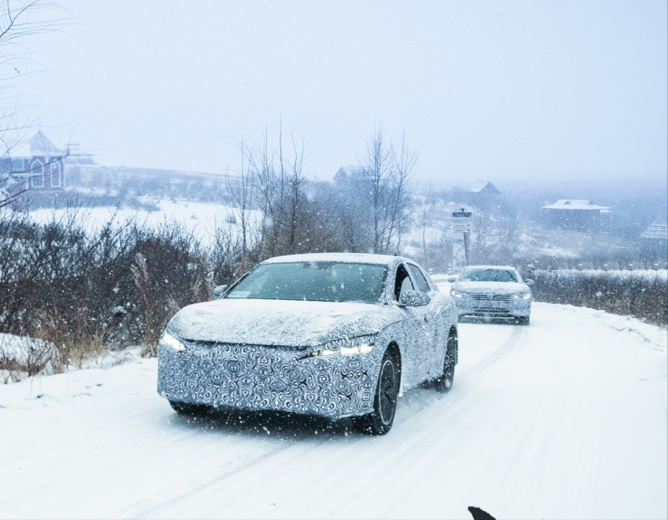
x=22, y=356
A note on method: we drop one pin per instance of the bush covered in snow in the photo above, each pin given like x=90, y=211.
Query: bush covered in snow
x=643, y=295
x=81, y=292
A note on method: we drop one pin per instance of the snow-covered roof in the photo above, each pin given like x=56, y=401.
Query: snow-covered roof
x=576, y=204
x=657, y=230
x=478, y=186
x=356, y=258
x=38, y=146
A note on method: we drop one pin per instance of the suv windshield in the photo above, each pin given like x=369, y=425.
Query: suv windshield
x=312, y=281
x=488, y=275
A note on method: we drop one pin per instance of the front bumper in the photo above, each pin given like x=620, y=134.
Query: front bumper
x=268, y=378
x=496, y=306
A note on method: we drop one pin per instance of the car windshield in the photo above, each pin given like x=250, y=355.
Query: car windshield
x=488, y=275
x=313, y=281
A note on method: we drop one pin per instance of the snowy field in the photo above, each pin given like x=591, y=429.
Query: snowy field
x=200, y=218
x=565, y=418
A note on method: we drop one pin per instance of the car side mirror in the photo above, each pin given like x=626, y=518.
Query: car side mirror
x=451, y=278
x=219, y=291
x=529, y=282
x=413, y=299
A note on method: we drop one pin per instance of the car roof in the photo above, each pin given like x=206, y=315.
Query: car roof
x=355, y=258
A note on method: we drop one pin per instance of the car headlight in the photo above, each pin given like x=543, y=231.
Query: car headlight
x=169, y=341
x=362, y=346
x=522, y=296
x=457, y=294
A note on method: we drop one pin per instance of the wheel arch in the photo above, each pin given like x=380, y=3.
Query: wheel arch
x=394, y=350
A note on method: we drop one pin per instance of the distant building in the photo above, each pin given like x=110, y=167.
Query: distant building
x=657, y=230
x=37, y=164
x=483, y=194
x=575, y=214
x=484, y=189
x=75, y=157
x=655, y=237
x=346, y=174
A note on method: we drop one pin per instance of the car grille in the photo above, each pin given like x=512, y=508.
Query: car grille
x=505, y=298
x=491, y=303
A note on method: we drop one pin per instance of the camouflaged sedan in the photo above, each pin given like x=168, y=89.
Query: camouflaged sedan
x=334, y=335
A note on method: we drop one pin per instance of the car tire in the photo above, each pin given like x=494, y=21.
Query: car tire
x=379, y=422
x=524, y=320
x=189, y=409
x=445, y=382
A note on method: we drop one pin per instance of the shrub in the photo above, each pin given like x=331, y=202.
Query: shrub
x=644, y=297
x=87, y=291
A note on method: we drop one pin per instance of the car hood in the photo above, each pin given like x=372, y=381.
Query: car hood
x=491, y=287
x=296, y=324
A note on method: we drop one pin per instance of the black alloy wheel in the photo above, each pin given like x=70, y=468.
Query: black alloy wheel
x=379, y=422
x=445, y=382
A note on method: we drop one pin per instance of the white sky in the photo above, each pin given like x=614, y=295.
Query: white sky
x=492, y=90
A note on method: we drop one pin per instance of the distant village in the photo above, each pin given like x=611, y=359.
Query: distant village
x=41, y=166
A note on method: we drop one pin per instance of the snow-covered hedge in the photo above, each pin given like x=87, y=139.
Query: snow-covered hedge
x=83, y=292
x=642, y=295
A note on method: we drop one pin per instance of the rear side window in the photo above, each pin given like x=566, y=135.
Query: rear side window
x=420, y=280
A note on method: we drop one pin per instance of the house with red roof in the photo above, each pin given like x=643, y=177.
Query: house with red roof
x=37, y=165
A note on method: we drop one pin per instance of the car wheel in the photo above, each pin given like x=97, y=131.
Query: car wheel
x=189, y=408
x=445, y=382
x=524, y=320
x=380, y=420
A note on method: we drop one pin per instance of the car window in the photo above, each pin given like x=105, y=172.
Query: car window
x=420, y=280
x=488, y=275
x=402, y=282
x=312, y=281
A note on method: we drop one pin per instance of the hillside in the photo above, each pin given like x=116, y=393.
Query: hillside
x=511, y=230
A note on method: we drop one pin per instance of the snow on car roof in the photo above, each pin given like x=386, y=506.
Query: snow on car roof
x=357, y=258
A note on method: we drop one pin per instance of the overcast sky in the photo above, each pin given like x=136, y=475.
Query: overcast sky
x=494, y=90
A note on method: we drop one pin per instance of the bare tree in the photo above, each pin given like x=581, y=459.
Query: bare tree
x=384, y=187
x=242, y=192
x=400, y=197
x=282, y=189
x=20, y=21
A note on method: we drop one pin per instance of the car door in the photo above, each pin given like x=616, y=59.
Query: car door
x=431, y=348
x=415, y=326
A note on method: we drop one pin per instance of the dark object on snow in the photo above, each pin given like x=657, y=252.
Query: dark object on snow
x=479, y=514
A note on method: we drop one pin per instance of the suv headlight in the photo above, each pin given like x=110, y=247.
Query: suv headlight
x=457, y=294
x=522, y=296
x=169, y=341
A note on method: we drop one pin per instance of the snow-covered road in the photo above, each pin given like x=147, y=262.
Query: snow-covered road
x=566, y=418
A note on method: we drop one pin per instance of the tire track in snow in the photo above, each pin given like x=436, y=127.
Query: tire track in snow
x=514, y=340
x=418, y=400
x=414, y=402
x=128, y=511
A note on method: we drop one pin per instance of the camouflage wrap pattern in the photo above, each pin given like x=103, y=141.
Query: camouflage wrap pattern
x=269, y=378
